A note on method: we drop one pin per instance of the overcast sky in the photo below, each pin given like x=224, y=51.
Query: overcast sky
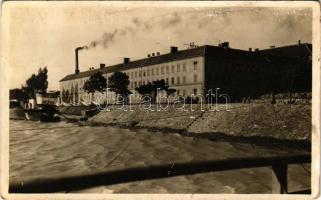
x=47, y=35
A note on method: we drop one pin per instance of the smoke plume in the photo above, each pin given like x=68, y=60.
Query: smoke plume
x=136, y=25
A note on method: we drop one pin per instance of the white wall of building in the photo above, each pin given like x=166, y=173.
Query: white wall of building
x=185, y=75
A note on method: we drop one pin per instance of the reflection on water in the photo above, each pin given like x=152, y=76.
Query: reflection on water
x=50, y=150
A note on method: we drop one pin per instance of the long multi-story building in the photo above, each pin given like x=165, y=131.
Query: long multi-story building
x=238, y=73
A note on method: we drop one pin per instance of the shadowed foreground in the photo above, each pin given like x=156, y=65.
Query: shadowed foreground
x=151, y=172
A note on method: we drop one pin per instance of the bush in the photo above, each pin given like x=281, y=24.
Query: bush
x=190, y=100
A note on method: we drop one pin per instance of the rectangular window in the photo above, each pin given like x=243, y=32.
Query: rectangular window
x=144, y=73
x=135, y=84
x=162, y=69
x=177, y=92
x=178, y=80
x=167, y=69
x=184, y=79
x=140, y=73
x=195, y=91
x=148, y=72
x=173, y=68
x=152, y=72
x=166, y=80
x=173, y=80
x=195, y=65
x=195, y=78
x=178, y=68
x=135, y=74
x=184, y=67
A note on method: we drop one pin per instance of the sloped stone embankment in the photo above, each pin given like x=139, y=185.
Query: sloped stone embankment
x=281, y=121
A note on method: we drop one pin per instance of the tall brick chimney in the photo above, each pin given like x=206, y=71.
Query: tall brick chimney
x=77, y=59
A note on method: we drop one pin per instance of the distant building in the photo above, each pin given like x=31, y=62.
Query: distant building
x=238, y=73
x=48, y=98
x=22, y=99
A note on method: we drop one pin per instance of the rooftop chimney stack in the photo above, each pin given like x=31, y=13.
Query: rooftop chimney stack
x=299, y=42
x=126, y=60
x=174, y=49
x=148, y=55
x=153, y=54
x=102, y=65
x=158, y=53
x=225, y=45
x=257, y=49
x=250, y=49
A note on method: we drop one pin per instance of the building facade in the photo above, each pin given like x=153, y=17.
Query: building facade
x=237, y=73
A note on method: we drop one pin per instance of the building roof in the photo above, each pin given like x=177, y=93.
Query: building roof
x=298, y=50
x=179, y=55
x=206, y=50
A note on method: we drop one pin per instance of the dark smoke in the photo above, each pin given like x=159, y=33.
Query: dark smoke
x=137, y=24
x=136, y=21
x=173, y=20
x=105, y=40
x=278, y=25
x=80, y=48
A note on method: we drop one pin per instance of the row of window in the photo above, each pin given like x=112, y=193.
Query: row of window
x=178, y=81
x=160, y=70
x=171, y=81
x=178, y=92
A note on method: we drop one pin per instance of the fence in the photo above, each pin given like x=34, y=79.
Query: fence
x=278, y=164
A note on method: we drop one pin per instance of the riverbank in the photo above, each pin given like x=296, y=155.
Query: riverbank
x=282, y=124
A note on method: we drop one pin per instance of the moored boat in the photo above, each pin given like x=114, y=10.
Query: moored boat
x=43, y=113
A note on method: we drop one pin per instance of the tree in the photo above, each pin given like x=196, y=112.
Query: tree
x=96, y=82
x=170, y=91
x=36, y=83
x=152, y=89
x=145, y=89
x=118, y=82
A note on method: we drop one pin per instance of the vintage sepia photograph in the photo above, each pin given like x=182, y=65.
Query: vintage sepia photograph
x=159, y=97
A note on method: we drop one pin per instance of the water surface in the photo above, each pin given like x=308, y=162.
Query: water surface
x=50, y=150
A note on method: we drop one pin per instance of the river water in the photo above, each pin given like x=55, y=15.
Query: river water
x=50, y=150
